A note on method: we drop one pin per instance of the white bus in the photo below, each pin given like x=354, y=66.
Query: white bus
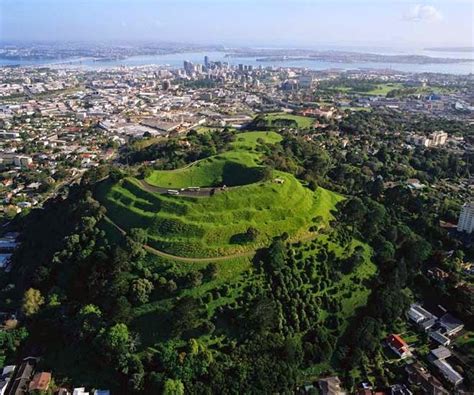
x=173, y=192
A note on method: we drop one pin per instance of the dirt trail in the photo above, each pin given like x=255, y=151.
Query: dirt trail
x=182, y=258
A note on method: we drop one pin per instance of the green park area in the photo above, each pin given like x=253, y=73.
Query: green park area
x=281, y=120
x=369, y=90
x=389, y=89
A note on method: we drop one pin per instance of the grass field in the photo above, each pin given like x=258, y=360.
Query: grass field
x=383, y=89
x=250, y=140
x=279, y=119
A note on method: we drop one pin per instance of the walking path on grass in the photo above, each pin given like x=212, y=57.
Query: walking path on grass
x=163, y=254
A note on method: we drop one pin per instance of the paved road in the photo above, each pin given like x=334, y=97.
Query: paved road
x=203, y=192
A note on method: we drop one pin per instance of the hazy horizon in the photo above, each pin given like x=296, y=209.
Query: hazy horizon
x=396, y=24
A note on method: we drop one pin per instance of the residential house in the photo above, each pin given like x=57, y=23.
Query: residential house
x=5, y=260
x=441, y=353
x=365, y=389
x=448, y=372
x=438, y=358
x=422, y=317
x=8, y=243
x=438, y=273
x=451, y=324
x=331, y=386
x=398, y=346
x=421, y=377
x=438, y=337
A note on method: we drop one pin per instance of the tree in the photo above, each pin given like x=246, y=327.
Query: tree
x=9, y=342
x=194, y=278
x=212, y=270
x=173, y=387
x=117, y=338
x=319, y=345
x=277, y=254
x=262, y=316
x=141, y=289
x=135, y=373
x=416, y=250
x=292, y=350
x=252, y=234
x=354, y=210
x=186, y=314
x=267, y=173
x=377, y=187
x=385, y=251
x=367, y=336
x=32, y=301
x=121, y=310
x=171, y=286
x=116, y=174
x=89, y=320
x=390, y=304
x=313, y=185
x=139, y=235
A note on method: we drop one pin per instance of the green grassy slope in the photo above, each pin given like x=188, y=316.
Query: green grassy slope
x=226, y=169
x=237, y=276
x=212, y=226
x=234, y=275
x=237, y=167
x=278, y=119
x=217, y=225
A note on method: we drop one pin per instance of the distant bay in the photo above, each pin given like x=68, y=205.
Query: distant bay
x=175, y=60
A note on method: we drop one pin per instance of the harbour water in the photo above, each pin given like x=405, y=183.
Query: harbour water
x=176, y=61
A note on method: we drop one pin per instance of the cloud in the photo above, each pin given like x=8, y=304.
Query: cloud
x=420, y=13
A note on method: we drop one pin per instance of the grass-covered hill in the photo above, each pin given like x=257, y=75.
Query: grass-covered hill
x=230, y=169
x=207, y=299
x=239, y=166
x=208, y=226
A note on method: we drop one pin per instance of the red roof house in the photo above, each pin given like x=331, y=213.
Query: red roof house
x=398, y=345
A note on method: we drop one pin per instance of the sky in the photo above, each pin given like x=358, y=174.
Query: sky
x=270, y=23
